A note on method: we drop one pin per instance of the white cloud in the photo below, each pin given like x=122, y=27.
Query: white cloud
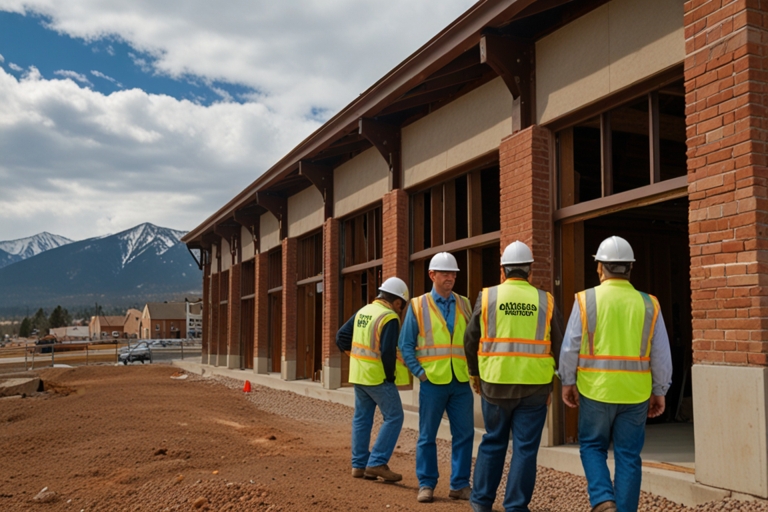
x=68, y=154
x=2, y=59
x=106, y=77
x=15, y=66
x=73, y=75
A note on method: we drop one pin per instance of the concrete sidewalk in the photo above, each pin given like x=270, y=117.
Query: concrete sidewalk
x=667, y=456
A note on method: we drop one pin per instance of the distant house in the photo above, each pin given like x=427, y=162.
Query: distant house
x=163, y=320
x=132, y=323
x=102, y=327
x=72, y=333
x=194, y=319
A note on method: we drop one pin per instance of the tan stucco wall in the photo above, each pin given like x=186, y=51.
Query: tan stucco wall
x=731, y=427
x=246, y=242
x=269, y=232
x=470, y=127
x=305, y=211
x=214, y=254
x=360, y=182
x=226, y=256
x=616, y=45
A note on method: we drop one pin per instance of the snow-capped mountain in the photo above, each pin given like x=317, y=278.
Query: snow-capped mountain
x=12, y=251
x=146, y=262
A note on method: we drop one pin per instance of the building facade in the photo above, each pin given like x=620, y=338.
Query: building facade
x=557, y=123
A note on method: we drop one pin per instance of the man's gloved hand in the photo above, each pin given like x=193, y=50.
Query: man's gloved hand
x=423, y=377
x=656, y=406
x=474, y=380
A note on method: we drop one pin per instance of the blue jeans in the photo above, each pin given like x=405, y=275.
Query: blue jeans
x=624, y=424
x=367, y=398
x=525, y=419
x=435, y=399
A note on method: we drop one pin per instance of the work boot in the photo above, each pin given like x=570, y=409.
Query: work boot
x=425, y=495
x=606, y=506
x=460, y=494
x=360, y=473
x=382, y=472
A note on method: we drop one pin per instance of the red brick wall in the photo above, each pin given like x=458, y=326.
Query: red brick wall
x=526, y=208
x=331, y=277
x=290, y=276
x=395, y=243
x=206, y=312
x=213, y=349
x=726, y=85
x=233, y=329
x=261, y=337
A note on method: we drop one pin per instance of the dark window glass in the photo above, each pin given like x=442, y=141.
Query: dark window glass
x=631, y=146
x=586, y=160
x=672, y=133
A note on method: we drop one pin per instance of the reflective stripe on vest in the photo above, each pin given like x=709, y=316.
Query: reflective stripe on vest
x=615, y=366
x=525, y=358
x=365, y=365
x=439, y=352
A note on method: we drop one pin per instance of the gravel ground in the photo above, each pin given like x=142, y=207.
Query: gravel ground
x=104, y=438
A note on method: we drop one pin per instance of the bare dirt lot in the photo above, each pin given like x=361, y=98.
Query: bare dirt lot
x=103, y=438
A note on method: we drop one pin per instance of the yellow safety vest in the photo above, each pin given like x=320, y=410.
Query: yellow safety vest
x=617, y=326
x=436, y=350
x=365, y=366
x=515, y=346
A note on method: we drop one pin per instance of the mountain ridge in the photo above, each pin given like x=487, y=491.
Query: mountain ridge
x=20, y=249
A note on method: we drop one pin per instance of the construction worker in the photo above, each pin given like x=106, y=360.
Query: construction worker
x=431, y=343
x=370, y=339
x=511, y=343
x=616, y=366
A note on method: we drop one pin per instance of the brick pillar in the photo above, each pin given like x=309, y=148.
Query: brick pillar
x=233, y=327
x=395, y=244
x=213, y=347
x=206, y=314
x=726, y=91
x=526, y=208
x=331, y=300
x=261, y=316
x=290, y=294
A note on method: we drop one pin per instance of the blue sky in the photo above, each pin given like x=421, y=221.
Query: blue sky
x=108, y=64
x=116, y=113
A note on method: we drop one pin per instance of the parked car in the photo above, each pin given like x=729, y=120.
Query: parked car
x=139, y=352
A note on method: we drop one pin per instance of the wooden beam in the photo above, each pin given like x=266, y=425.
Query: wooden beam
x=606, y=153
x=277, y=205
x=466, y=60
x=321, y=177
x=512, y=60
x=250, y=218
x=654, y=136
x=416, y=101
x=541, y=6
x=344, y=149
x=447, y=81
x=386, y=139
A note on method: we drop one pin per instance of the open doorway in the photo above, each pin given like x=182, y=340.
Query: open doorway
x=659, y=237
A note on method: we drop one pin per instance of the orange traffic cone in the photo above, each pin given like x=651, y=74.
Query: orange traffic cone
x=247, y=387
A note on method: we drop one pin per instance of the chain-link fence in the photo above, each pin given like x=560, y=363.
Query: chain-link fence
x=22, y=356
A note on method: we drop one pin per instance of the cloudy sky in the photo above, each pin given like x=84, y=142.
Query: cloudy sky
x=115, y=113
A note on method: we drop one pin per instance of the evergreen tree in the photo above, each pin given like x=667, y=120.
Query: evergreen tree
x=59, y=318
x=25, y=328
x=40, y=322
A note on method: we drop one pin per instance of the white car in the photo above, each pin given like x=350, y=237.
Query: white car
x=139, y=352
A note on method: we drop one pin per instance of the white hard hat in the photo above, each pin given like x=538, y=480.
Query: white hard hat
x=444, y=261
x=396, y=287
x=615, y=249
x=517, y=253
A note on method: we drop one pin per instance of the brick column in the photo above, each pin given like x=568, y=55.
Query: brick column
x=726, y=92
x=233, y=318
x=526, y=208
x=331, y=298
x=290, y=293
x=395, y=243
x=261, y=316
x=213, y=348
x=206, y=314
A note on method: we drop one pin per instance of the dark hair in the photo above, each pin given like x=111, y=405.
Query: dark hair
x=389, y=297
x=620, y=269
x=519, y=271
